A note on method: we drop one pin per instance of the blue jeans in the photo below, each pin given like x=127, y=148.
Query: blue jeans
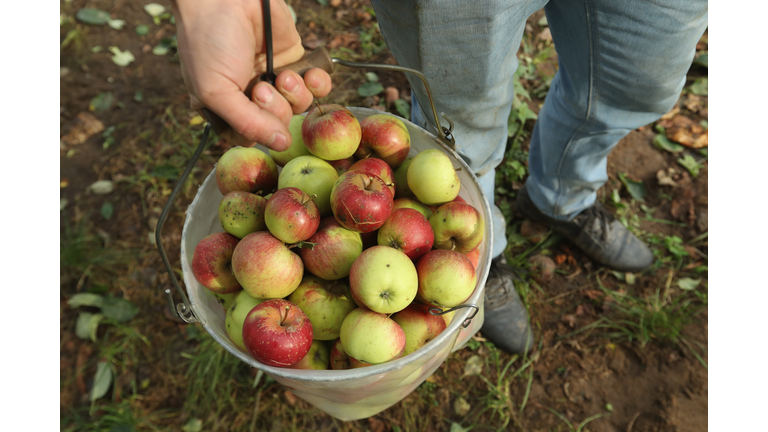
x=622, y=64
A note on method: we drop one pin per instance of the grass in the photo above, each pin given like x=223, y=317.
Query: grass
x=580, y=427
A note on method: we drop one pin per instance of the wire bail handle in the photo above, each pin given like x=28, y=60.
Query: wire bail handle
x=467, y=322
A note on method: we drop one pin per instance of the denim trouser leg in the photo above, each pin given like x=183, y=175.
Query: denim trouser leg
x=622, y=65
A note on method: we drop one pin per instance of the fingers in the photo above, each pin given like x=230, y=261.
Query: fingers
x=300, y=92
x=318, y=82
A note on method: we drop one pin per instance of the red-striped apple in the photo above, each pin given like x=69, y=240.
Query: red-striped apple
x=212, y=263
x=246, y=169
x=408, y=231
x=457, y=226
x=335, y=249
x=419, y=326
x=361, y=202
x=384, y=136
x=277, y=333
x=412, y=203
x=446, y=278
x=265, y=267
x=378, y=168
x=331, y=132
x=297, y=147
x=338, y=358
x=318, y=357
x=326, y=303
x=291, y=215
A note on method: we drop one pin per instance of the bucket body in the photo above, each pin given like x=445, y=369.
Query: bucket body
x=356, y=393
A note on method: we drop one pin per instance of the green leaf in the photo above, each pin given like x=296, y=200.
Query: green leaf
x=701, y=269
x=92, y=16
x=101, y=381
x=688, y=284
x=102, y=102
x=370, y=89
x=193, y=425
x=63, y=203
x=161, y=49
x=699, y=87
x=635, y=189
x=455, y=427
x=121, y=58
x=674, y=245
x=154, y=9
x=122, y=428
x=322, y=2
x=97, y=49
x=142, y=30
x=662, y=142
x=116, y=24
x=702, y=60
x=85, y=299
x=371, y=77
x=689, y=163
x=166, y=171
x=403, y=108
x=87, y=325
x=138, y=96
x=542, y=21
x=107, y=209
x=118, y=309
x=704, y=152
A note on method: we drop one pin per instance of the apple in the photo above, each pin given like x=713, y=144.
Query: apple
x=246, y=169
x=226, y=300
x=419, y=326
x=335, y=249
x=446, y=278
x=342, y=165
x=235, y=317
x=401, y=180
x=474, y=256
x=331, y=132
x=457, y=226
x=212, y=263
x=378, y=168
x=361, y=202
x=412, y=203
x=318, y=357
x=460, y=199
x=326, y=303
x=384, y=136
x=371, y=337
x=432, y=178
x=277, y=333
x=291, y=215
x=383, y=279
x=241, y=213
x=313, y=176
x=355, y=363
x=297, y=147
x=338, y=358
x=408, y=231
x=265, y=267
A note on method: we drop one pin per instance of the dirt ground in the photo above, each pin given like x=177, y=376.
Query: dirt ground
x=658, y=386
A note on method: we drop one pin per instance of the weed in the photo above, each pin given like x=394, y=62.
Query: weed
x=123, y=416
x=581, y=425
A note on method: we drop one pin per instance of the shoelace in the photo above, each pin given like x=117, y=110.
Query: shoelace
x=599, y=213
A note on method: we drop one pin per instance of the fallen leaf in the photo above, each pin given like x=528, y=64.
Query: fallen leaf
x=85, y=299
x=107, y=209
x=473, y=366
x=196, y=120
x=636, y=189
x=193, y=425
x=121, y=58
x=116, y=24
x=688, y=284
x=142, y=30
x=375, y=424
x=82, y=127
x=665, y=177
x=593, y=294
x=664, y=143
x=455, y=427
x=154, y=9
x=461, y=407
x=119, y=309
x=569, y=319
x=102, y=187
x=290, y=398
x=700, y=86
x=63, y=183
x=102, y=102
x=403, y=108
x=370, y=89
x=101, y=381
x=687, y=132
x=560, y=259
x=92, y=16
x=345, y=40
x=311, y=41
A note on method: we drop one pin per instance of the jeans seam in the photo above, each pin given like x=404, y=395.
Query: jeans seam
x=591, y=100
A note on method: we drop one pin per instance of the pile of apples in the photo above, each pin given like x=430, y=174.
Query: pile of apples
x=335, y=262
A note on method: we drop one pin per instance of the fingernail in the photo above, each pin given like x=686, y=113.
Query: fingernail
x=279, y=142
x=290, y=84
x=314, y=82
x=264, y=94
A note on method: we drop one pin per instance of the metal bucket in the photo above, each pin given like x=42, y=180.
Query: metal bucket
x=356, y=393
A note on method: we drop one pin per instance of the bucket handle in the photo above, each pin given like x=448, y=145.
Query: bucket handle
x=467, y=322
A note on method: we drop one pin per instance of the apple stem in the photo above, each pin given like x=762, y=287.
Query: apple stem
x=368, y=183
x=283, y=318
x=457, y=169
x=308, y=199
x=319, y=108
x=453, y=244
x=301, y=244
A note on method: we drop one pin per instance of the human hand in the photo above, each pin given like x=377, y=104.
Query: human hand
x=221, y=48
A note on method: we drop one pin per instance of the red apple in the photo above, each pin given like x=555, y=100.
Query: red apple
x=414, y=204
x=241, y=213
x=326, y=303
x=474, y=256
x=460, y=199
x=317, y=358
x=419, y=326
x=277, y=333
x=265, y=267
x=408, y=231
x=331, y=132
x=343, y=165
x=384, y=136
x=335, y=249
x=361, y=202
x=446, y=278
x=246, y=169
x=378, y=168
x=457, y=226
x=212, y=263
x=338, y=358
x=291, y=215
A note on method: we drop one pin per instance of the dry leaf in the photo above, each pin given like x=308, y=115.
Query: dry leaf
x=593, y=294
x=569, y=319
x=665, y=177
x=290, y=398
x=545, y=35
x=559, y=259
x=671, y=113
x=473, y=367
x=84, y=126
x=345, y=40
x=335, y=3
x=376, y=424
x=687, y=132
x=461, y=407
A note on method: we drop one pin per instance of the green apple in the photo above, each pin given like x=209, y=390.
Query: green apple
x=225, y=300
x=446, y=278
x=241, y=213
x=326, y=303
x=412, y=203
x=432, y=178
x=401, y=180
x=297, y=147
x=318, y=357
x=383, y=279
x=313, y=176
x=371, y=337
x=235, y=317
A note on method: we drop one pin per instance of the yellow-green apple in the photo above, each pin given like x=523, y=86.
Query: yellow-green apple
x=313, y=176
x=446, y=278
x=226, y=300
x=241, y=213
x=371, y=337
x=384, y=136
x=412, y=203
x=235, y=317
x=419, y=326
x=335, y=249
x=338, y=358
x=265, y=267
x=277, y=333
x=291, y=215
x=326, y=303
x=432, y=178
x=457, y=226
x=342, y=165
x=408, y=231
x=361, y=202
x=297, y=147
x=331, y=132
x=383, y=279
x=378, y=168
x=474, y=256
x=246, y=169
x=212, y=263
x=401, y=180
x=318, y=357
